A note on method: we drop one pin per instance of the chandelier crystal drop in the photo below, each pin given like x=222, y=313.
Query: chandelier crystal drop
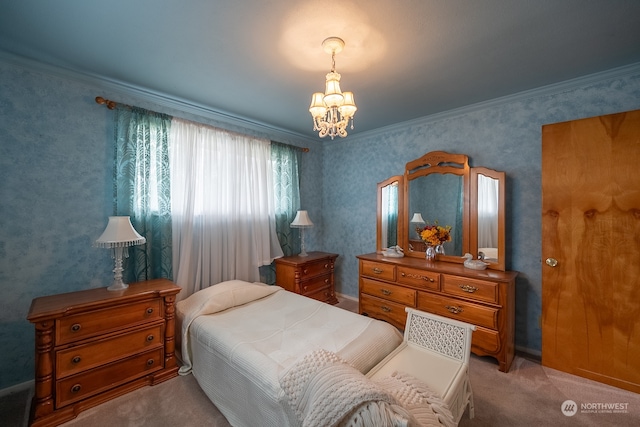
x=332, y=110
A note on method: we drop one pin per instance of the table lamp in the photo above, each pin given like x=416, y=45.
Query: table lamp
x=118, y=236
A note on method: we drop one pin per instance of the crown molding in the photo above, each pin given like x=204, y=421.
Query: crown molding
x=158, y=98
x=274, y=132
x=552, y=89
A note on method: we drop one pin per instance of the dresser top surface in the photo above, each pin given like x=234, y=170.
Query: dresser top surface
x=442, y=267
x=312, y=256
x=61, y=304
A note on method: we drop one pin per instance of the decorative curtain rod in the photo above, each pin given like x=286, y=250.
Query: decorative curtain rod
x=111, y=105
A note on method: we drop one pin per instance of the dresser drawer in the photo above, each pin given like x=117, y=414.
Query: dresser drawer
x=322, y=267
x=419, y=278
x=83, y=357
x=480, y=290
x=486, y=339
x=80, y=326
x=81, y=386
x=458, y=309
x=378, y=270
x=388, y=311
x=314, y=285
x=389, y=292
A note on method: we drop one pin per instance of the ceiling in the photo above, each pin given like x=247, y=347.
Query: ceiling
x=260, y=60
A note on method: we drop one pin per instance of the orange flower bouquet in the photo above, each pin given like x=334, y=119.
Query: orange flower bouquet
x=435, y=234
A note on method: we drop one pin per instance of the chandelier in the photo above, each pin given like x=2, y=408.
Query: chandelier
x=333, y=109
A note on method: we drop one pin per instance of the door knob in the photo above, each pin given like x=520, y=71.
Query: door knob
x=551, y=262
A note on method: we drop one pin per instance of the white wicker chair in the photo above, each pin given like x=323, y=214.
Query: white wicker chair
x=435, y=350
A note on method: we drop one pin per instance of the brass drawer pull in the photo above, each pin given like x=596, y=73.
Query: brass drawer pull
x=454, y=309
x=150, y=338
x=386, y=309
x=76, y=388
x=76, y=327
x=386, y=291
x=76, y=360
x=326, y=266
x=149, y=310
x=418, y=276
x=468, y=288
x=150, y=362
x=378, y=270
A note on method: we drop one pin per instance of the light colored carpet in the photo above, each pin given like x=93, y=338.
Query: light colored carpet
x=529, y=395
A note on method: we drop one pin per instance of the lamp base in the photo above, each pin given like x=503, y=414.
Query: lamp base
x=303, y=253
x=118, y=286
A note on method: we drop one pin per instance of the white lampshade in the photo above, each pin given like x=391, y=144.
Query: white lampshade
x=333, y=95
x=302, y=220
x=417, y=218
x=317, y=108
x=348, y=108
x=119, y=233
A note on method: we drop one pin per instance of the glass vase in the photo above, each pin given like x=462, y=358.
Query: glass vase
x=440, y=250
x=430, y=253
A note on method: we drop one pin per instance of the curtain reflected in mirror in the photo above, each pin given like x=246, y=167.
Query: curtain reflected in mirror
x=389, y=215
x=488, y=210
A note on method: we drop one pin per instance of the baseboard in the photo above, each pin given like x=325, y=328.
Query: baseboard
x=17, y=388
x=529, y=353
x=349, y=297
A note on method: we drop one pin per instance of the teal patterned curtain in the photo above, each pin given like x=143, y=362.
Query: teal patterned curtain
x=286, y=181
x=142, y=189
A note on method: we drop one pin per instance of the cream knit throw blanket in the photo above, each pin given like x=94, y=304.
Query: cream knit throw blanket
x=325, y=391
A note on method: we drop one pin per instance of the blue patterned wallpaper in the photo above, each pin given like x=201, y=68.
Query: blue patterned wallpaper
x=503, y=135
x=55, y=184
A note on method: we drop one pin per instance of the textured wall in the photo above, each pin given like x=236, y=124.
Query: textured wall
x=56, y=189
x=503, y=135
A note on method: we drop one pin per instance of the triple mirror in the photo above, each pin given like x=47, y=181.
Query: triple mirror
x=441, y=189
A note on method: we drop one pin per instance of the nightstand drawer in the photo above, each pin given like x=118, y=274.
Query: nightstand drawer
x=378, y=270
x=390, y=292
x=80, y=326
x=315, y=284
x=470, y=288
x=87, y=356
x=458, y=309
x=419, y=278
x=316, y=268
x=77, y=387
x=384, y=310
x=322, y=294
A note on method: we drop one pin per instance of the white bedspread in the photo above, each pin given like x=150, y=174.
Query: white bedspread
x=239, y=354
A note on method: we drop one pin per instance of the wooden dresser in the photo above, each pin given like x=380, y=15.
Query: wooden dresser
x=484, y=298
x=311, y=276
x=94, y=345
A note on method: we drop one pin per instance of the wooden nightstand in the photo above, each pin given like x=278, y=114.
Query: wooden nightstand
x=311, y=276
x=94, y=345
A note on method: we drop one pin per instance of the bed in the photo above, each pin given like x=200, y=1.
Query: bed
x=241, y=339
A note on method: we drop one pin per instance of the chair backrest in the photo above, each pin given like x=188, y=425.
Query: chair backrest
x=445, y=336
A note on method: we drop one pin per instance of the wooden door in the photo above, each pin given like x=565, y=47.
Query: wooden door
x=591, y=228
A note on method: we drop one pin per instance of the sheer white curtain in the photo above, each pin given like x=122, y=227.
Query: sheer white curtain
x=488, y=189
x=222, y=206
